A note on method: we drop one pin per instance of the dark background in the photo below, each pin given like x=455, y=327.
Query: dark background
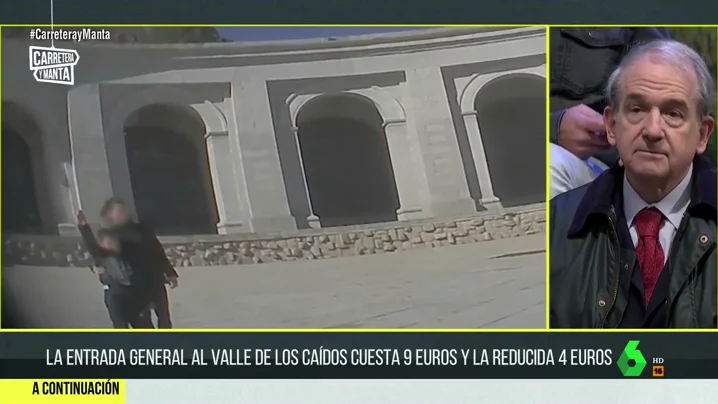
x=702, y=40
x=620, y=12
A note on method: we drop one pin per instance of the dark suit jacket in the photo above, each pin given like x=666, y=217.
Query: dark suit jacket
x=144, y=252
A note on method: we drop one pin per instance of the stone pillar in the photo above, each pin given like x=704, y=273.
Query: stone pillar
x=408, y=185
x=431, y=117
x=229, y=205
x=268, y=204
x=488, y=199
x=312, y=219
x=90, y=167
x=117, y=160
x=67, y=201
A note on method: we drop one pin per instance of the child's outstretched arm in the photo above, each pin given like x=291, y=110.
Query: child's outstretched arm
x=88, y=237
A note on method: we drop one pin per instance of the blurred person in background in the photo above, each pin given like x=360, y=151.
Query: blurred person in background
x=144, y=252
x=636, y=247
x=581, y=61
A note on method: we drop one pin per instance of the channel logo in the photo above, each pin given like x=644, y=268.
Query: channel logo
x=53, y=65
x=632, y=362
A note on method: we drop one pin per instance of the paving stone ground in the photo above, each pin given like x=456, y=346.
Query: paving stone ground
x=496, y=284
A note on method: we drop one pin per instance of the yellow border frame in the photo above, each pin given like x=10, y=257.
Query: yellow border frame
x=547, y=173
x=380, y=330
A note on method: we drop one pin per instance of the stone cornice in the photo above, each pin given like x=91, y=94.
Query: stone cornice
x=365, y=45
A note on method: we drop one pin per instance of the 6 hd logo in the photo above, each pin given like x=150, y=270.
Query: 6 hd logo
x=632, y=362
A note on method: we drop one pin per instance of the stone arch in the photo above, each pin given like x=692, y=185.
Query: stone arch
x=389, y=107
x=480, y=80
x=514, y=148
x=346, y=160
x=215, y=120
x=123, y=107
x=25, y=201
x=169, y=168
x=115, y=112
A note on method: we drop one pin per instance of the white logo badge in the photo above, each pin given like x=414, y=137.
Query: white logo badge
x=53, y=65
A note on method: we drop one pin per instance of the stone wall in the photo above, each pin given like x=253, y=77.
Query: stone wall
x=386, y=238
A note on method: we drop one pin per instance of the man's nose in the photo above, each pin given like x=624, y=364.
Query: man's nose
x=653, y=125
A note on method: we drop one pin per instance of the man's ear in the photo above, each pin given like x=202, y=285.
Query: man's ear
x=706, y=130
x=609, y=121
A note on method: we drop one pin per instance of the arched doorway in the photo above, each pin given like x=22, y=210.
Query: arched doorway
x=511, y=111
x=169, y=170
x=21, y=166
x=346, y=159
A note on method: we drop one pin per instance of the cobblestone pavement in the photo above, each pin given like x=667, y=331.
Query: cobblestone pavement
x=495, y=284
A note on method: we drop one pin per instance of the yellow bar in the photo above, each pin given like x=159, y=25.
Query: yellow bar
x=62, y=391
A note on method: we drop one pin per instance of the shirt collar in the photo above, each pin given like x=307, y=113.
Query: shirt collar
x=672, y=206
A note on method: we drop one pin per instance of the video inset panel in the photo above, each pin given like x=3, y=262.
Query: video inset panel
x=287, y=177
x=633, y=178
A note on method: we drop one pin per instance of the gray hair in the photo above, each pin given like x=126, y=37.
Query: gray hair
x=676, y=54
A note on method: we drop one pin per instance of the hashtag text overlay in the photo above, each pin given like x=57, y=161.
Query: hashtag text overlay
x=74, y=35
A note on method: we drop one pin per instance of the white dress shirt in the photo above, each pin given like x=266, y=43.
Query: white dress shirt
x=673, y=206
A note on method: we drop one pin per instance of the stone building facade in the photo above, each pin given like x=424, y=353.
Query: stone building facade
x=277, y=137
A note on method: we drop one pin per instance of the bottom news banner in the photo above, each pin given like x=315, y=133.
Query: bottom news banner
x=84, y=367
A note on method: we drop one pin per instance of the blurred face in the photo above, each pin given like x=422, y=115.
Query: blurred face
x=117, y=215
x=657, y=126
x=109, y=244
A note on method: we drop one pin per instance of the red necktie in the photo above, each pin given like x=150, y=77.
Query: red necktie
x=649, y=250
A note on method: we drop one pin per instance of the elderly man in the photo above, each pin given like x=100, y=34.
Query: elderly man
x=636, y=248
x=581, y=60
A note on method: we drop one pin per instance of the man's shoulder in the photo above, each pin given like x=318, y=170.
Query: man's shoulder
x=144, y=228
x=564, y=208
x=566, y=203
x=130, y=232
x=133, y=226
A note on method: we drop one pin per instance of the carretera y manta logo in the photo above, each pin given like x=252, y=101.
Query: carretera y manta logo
x=53, y=65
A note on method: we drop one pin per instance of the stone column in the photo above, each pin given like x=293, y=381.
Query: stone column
x=488, y=199
x=431, y=117
x=61, y=187
x=408, y=186
x=90, y=167
x=67, y=199
x=268, y=204
x=312, y=219
x=117, y=160
x=229, y=205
